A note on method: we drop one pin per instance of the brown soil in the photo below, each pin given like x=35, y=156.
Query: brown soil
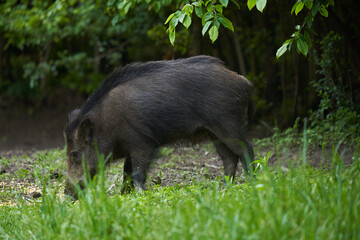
x=180, y=166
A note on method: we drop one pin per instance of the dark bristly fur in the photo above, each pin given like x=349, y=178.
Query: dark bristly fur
x=123, y=74
x=142, y=106
x=118, y=76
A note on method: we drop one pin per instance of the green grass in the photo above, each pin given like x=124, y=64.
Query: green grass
x=30, y=172
x=299, y=203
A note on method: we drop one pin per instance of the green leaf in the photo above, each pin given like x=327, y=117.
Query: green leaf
x=115, y=20
x=282, y=50
x=206, y=27
x=224, y=2
x=288, y=41
x=169, y=18
x=219, y=8
x=207, y=16
x=187, y=21
x=260, y=5
x=309, y=4
x=197, y=4
x=217, y=23
x=124, y=7
x=172, y=37
x=251, y=4
x=290, y=45
x=236, y=3
x=209, y=8
x=302, y=46
x=315, y=9
x=294, y=7
x=307, y=38
x=120, y=5
x=181, y=17
x=199, y=12
x=308, y=20
x=127, y=7
x=299, y=7
x=323, y=11
x=226, y=22
x=188, y=8
x=214, y=33
x=174, y=21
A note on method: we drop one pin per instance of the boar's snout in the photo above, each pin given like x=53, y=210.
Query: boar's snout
x=70, y=191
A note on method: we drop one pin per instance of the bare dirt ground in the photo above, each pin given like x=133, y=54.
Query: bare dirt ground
x=176, y=166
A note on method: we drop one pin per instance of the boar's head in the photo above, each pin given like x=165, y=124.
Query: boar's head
x=81, y=156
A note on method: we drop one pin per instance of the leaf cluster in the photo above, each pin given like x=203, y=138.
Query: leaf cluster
x=70, y=44
x=301, y=39
x=210, y=12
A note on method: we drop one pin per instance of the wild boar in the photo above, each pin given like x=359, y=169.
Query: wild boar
x=143, y=106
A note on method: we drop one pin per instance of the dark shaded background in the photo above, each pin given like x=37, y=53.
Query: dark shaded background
x=45, y=71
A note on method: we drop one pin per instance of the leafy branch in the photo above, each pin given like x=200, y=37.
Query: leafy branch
x=211, y=14
x=301, y=37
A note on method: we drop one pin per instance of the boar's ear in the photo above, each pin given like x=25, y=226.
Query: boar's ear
x=86, y=130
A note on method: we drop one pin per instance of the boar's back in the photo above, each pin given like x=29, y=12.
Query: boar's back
x=174, y=99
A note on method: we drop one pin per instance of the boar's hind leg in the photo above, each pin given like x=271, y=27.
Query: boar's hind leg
x=230, y=160
x=128, y=182
x=243, y=149
x=232, y=147
x=247, y=156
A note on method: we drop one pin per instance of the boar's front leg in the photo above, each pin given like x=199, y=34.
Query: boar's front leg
x=128, y=182
x=140, y=161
